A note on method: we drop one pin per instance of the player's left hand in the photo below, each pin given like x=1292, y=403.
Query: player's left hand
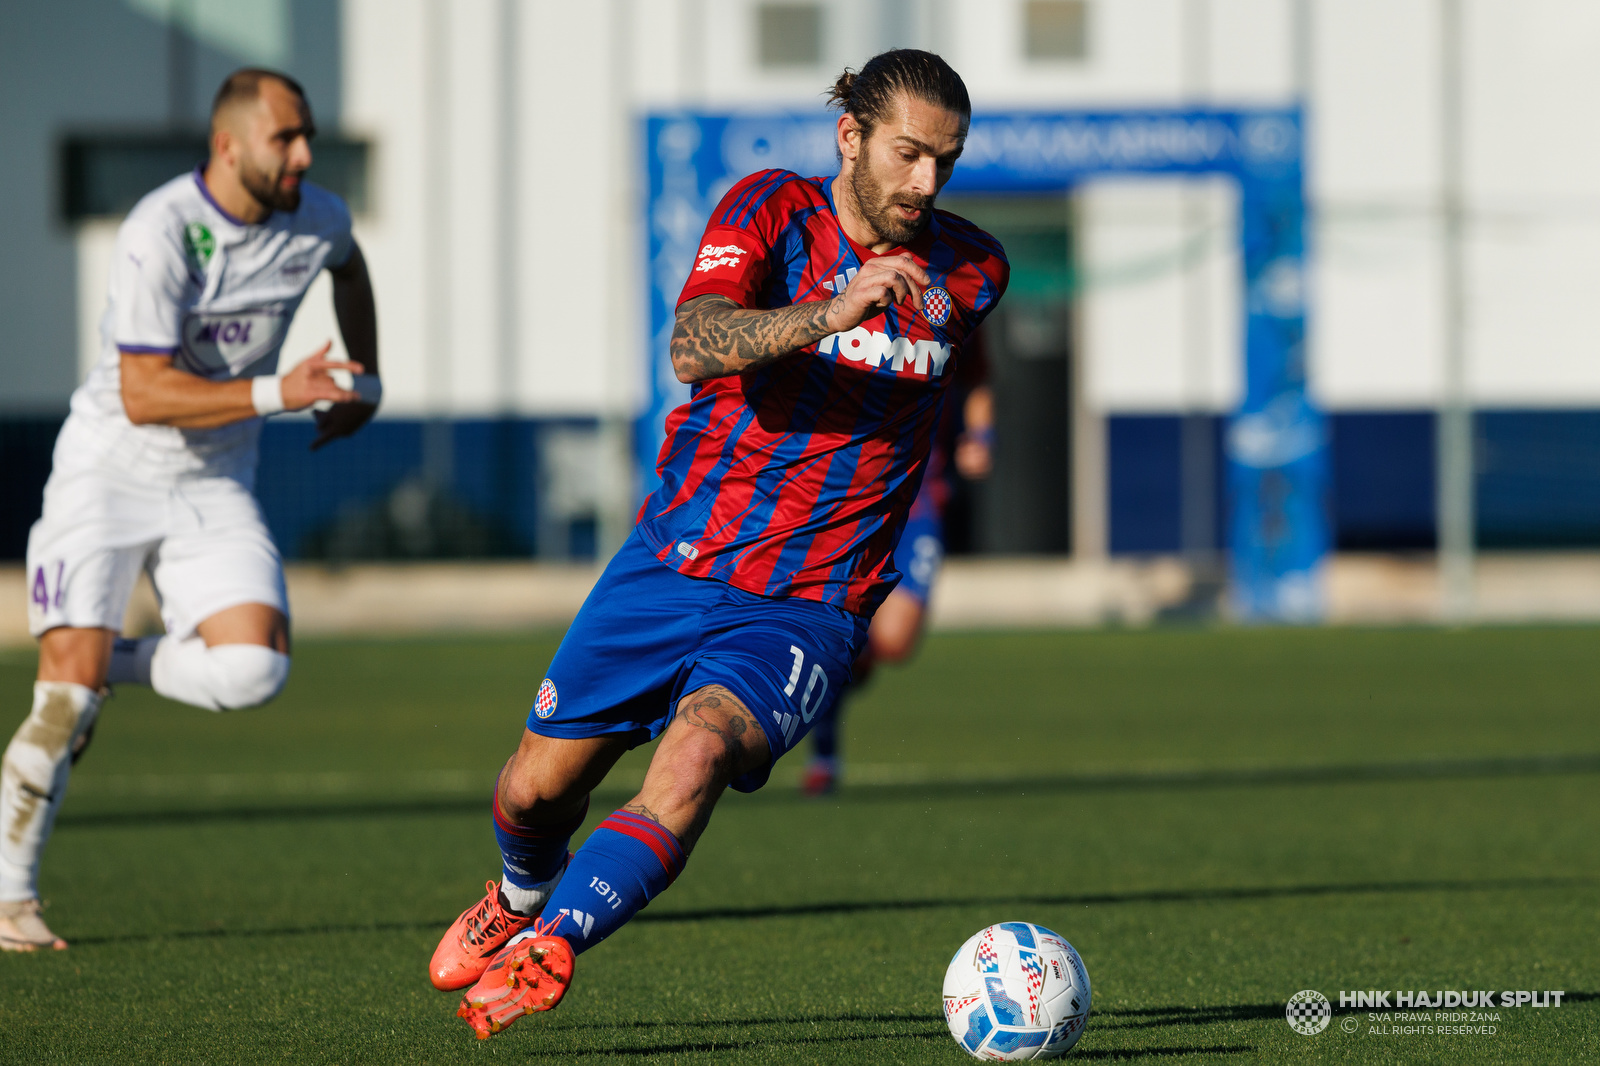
x=341, y=420
x=975, y=456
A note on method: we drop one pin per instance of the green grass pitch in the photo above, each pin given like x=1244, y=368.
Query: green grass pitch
x=1216, y=818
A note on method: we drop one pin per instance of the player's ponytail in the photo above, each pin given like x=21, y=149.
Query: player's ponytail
x=839, y=95
x=869, y=94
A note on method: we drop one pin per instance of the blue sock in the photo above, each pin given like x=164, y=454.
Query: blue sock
x=825, y=734
x=532, y=854
x=627, y=861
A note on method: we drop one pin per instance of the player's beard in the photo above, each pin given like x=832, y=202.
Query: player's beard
x=877, y=206
x=266, y=188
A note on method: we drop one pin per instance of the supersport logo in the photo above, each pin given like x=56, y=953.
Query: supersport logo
x=713, y=256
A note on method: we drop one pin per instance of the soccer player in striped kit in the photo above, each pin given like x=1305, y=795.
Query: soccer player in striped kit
x=821, y=327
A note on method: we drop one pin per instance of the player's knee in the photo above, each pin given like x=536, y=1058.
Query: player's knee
x=530, y=799
x=895, y=643
x=896, y=629
x=246, y=675
x=699, y=760
x=716, y=733
x=895, y=647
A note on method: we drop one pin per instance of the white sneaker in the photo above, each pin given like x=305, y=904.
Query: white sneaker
x=21, y=928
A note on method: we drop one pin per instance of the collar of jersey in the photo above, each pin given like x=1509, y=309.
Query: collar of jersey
x=200, y=180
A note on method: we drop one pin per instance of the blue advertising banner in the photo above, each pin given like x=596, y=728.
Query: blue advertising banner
x=1276, y=441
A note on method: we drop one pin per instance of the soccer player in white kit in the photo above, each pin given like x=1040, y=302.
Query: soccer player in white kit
x=155, y=466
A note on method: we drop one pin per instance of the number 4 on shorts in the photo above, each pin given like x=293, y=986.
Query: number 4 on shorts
x=39, y=592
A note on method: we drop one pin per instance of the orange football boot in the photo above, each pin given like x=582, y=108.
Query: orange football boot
x=472, y=940
x=530, y=975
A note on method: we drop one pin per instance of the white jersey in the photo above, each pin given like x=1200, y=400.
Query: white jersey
x=190, y=280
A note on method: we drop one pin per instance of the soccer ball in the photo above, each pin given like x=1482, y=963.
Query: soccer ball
x=1016, y=991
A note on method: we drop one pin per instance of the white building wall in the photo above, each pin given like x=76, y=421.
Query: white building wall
x=1533, y=171
x=1374, y=186
x=437, y=236
x=1161, y=315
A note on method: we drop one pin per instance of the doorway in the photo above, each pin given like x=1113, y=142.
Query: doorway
x=1024, y=506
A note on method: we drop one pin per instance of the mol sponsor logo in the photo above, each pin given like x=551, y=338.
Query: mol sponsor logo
x=862, y=345
x=716, y=255
x=223, y=345
x=230, y=331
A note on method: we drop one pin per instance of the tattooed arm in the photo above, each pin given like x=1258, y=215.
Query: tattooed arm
x=714, y=337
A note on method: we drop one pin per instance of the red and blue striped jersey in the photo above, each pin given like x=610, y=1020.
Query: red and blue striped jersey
x=794, y=480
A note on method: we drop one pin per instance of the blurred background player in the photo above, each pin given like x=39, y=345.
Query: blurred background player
x=821, y=326
x=965, y=440
x=155, y=466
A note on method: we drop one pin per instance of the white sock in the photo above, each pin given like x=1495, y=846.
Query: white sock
x=228, y=677
x=526, y=901
x=130, y=660
x=33, y=780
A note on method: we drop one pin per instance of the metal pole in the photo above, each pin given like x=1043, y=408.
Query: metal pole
x=1301, y=50
x=506, y=245
x=1454, y=470
x=1088, y=448
x=692, y=54
x=514, y=480
x=438, y=458
x=615, y=503
x=1197, y=449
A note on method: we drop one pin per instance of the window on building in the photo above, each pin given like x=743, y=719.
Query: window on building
x=105, y=175
x=1055, y=29
x=789, y=35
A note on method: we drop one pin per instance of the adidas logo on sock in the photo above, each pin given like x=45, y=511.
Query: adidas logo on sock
x=584, y=921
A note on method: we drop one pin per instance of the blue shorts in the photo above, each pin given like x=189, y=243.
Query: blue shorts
x=647, y=636
x=918, y=556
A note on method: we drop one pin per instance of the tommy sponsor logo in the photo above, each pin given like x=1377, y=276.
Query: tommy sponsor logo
x=716, y=255
x=862, y=345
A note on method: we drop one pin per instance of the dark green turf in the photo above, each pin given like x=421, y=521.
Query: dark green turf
x=1216, y=818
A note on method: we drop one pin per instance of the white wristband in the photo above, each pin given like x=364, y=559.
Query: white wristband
x=267, y=394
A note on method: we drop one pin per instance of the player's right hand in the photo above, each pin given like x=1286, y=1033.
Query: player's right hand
x=878, y=285
x=312, y=380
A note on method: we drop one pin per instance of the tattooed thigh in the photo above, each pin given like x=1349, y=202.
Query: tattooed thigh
x=719, y=712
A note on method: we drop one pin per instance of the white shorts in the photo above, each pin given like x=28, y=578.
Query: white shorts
x=202, y=540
